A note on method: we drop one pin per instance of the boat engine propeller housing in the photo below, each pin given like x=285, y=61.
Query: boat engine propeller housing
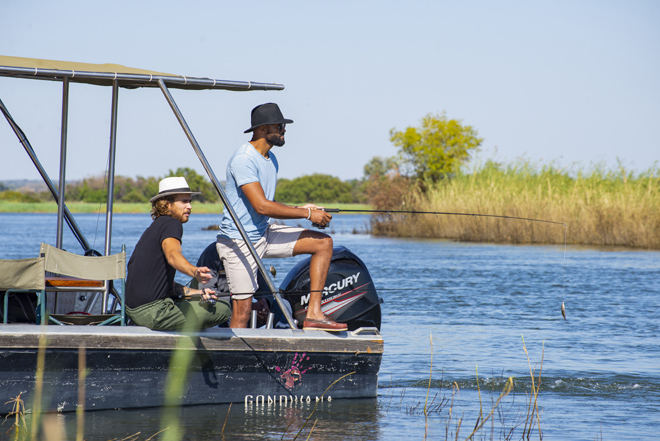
x=349, y=295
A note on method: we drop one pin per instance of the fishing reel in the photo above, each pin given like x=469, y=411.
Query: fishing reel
x=320, y=227
x=207, y=303
x=327, y=210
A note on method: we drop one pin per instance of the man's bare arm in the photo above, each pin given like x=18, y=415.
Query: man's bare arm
x=183, y=292
x=172, y=250
x=265, y=207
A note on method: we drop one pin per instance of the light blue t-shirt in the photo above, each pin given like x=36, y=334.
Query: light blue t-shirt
x=245, y=166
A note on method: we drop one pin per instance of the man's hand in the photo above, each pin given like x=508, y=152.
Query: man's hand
x=208, y=294
x=208, y=297
x=202, y=274
x=311, y=206
x=261, y=306
x=320, y=217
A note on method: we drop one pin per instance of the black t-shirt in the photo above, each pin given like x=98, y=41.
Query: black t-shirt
x=150, y=277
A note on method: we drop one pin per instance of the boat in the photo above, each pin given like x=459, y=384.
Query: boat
x=133, y=367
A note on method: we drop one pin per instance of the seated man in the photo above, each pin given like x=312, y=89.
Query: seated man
x=153, y=298
x=251, y=182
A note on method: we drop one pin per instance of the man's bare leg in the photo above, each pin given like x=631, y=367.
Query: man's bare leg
x=319, y=245
x=240, y=313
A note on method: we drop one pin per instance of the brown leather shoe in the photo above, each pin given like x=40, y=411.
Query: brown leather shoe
x=324, y=324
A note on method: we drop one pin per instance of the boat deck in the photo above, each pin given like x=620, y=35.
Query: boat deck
x=137, y=337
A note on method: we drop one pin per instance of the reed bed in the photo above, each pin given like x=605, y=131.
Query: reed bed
x=600, y=207
x=505, y=418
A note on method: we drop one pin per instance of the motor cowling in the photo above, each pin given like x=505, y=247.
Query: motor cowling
x=349, y=295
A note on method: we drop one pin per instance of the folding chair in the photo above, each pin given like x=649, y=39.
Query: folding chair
x=75, y=273
x=24, y=276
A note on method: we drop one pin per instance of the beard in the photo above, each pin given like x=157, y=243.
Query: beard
x=180, y=217
x=275, y=139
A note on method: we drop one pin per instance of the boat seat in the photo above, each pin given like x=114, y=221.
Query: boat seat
x=57, y=270
x=75, y=273
x=63, y=282
x=24, y=276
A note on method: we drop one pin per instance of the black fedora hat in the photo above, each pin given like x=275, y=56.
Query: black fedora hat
x=268, y=113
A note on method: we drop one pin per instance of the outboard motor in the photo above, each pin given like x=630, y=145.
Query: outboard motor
x=349, y=295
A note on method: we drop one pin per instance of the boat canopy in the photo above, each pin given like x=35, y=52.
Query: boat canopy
x=106, y=74
x=120, y=76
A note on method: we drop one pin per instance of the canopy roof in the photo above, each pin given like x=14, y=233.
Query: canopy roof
x=106, y=74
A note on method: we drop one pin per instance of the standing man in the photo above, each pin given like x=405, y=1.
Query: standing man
x=251, y=182
x=153, y=298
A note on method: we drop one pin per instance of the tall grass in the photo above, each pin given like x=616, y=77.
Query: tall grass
x=505, y=416
x=601, y=207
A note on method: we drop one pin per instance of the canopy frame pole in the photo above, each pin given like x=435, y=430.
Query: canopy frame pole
x=226, y=203
x=75, y=229
x=62, y=182
x=63, y=146
x=111, y=182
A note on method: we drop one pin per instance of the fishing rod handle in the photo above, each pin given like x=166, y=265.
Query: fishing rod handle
x=327, y=210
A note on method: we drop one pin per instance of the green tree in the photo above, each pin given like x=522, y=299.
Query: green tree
x=197, y=182
x=379, y=167
x=148, y=187
x=384, y=186
x=134, y=196
x=16, y=196
x=92, y=190
x=316, y=188
x=437, y=149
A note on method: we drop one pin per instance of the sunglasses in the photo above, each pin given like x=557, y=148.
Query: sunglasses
x=281, y=127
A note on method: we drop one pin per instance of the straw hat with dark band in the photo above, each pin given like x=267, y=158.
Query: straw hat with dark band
x=173, y=185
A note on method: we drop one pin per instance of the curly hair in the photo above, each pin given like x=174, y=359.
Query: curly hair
x=161, y=207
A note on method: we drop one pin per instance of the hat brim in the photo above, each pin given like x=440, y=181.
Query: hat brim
x=282, y=121
x=170, y=193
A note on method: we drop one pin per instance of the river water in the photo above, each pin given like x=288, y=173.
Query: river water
x=454, y=319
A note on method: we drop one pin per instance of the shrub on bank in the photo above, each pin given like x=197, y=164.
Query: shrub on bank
x=15, y=196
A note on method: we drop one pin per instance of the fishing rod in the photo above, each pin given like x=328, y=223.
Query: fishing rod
x=300, y=293
x=390, y=212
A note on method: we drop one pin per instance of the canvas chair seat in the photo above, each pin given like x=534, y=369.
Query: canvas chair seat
x=23, y=276
x=60, y=271
x=79, y=270
x=62, y=262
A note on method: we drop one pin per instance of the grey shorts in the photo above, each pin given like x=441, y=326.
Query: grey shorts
x=241, y=268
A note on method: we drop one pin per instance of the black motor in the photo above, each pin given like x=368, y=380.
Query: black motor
x=349, y=294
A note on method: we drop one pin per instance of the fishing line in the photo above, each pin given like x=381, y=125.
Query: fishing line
x=390, y=212
x=300, y=293
x=105, y=192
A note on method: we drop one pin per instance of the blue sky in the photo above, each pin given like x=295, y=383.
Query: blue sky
x=573, y=82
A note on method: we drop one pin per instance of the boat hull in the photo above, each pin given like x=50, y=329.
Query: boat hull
x=129, y=367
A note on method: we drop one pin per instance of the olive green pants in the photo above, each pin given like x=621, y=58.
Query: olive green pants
x=167, y=315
